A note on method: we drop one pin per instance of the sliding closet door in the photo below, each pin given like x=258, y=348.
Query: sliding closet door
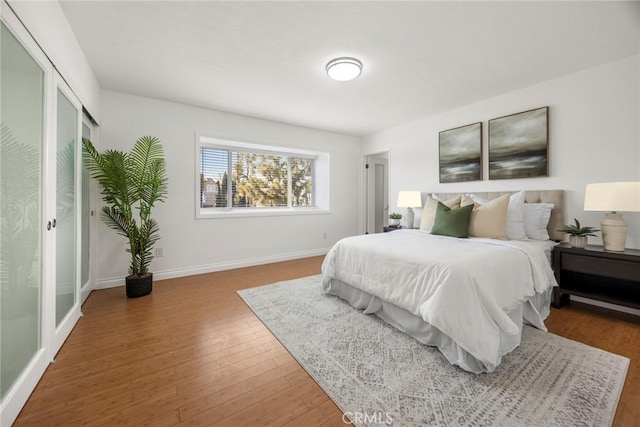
x=86, y=218
x=40, y=210
x=66, y=222
x=23, y=97
x=20, y=207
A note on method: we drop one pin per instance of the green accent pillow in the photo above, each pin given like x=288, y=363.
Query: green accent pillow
x=452, y=222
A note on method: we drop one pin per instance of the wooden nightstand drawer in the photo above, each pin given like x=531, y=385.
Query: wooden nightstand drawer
x=617, y=269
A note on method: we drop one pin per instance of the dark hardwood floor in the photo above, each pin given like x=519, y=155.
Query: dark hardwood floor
x=192, y=353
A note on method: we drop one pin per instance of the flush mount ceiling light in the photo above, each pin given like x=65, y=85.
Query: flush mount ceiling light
x=344, y=69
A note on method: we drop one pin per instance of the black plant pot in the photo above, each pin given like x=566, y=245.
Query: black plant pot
x=139, y=286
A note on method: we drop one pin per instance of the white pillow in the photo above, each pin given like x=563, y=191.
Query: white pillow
x=515, y=215
x=536, y=220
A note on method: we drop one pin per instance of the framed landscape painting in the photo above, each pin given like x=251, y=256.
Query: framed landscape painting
x=461, y=153
x=519, y=145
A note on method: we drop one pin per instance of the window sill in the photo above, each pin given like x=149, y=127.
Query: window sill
x=251, y=213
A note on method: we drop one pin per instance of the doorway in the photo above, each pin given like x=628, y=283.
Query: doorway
x=376, y=192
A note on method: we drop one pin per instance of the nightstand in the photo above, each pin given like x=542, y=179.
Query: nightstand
x=591, y=272
x=391, y=228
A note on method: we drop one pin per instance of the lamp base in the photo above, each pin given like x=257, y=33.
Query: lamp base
x=614, y=232
x=409, y=218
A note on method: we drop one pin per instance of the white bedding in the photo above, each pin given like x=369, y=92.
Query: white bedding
x=466, y=288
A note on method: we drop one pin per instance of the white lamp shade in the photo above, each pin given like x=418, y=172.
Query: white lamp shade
x=409, y=199
x=613, y=197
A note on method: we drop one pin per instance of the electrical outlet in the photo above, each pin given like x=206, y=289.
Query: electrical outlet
x=159, y=252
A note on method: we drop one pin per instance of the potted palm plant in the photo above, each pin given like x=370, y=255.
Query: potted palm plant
x=131, y=184
x=578, y=234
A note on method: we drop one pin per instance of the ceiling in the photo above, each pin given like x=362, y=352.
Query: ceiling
x=267, y=59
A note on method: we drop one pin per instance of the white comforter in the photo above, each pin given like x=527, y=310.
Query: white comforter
x=463, y=287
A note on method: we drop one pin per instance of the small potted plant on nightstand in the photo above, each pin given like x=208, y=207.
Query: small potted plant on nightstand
x=578, y=234
x=394, y=219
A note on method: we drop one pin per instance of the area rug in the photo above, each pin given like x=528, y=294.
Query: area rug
x=380, y=376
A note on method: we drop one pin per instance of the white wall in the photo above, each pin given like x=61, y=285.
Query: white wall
x=194, y=246
x=48, y=24
x=594, y=120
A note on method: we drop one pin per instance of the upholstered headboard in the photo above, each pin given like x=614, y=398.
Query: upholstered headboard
x=540, y=196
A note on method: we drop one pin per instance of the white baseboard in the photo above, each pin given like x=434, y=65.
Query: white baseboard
x=113, y=282
x=603, y=304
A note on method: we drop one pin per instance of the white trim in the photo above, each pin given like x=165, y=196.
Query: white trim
x=257, y=212
x=234, y=144
x=320, y=179
x=113, y=282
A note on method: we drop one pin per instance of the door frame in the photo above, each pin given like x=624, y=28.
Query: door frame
x=368, y=178
x=86, y=288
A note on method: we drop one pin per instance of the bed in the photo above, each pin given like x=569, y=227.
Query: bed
x=467, y=297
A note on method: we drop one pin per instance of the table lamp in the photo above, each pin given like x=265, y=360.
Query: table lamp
x=613, y=197
x=409, y=199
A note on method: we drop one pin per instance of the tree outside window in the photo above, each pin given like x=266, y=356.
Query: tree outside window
x=258, y=180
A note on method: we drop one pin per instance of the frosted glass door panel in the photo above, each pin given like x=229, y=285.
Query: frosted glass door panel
x=67, y=130
x=86, y=217
x=21, y=97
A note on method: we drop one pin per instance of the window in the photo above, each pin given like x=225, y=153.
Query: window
x=236, y=178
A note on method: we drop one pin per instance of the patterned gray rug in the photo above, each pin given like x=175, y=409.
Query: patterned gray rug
x=378, y=375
